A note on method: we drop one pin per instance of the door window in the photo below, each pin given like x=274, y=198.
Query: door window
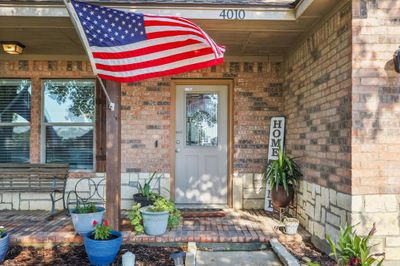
x=202, y=119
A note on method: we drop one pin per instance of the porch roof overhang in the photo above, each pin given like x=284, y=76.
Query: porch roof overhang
x=268, y=29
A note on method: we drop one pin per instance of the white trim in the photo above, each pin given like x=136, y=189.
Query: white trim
x=302, y=7
x=187, y=12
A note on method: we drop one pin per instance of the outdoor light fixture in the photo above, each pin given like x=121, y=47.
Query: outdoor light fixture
x=12, y=47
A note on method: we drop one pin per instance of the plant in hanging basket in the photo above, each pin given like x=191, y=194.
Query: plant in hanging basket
x=4, y=243
x=83, y=215
x=102, y=245
x=282, y=175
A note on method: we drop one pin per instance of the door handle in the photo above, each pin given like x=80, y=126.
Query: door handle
x=177, y=150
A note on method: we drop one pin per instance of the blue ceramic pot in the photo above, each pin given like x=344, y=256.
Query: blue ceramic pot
x=4, y=242
x=83, y=222
x=102, y=252
x=154, y=223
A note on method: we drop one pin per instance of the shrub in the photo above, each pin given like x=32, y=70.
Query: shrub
x=136, y=219
x=85, y=208
x=353, y=250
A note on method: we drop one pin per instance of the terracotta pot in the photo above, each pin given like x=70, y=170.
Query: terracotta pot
x=280, y=199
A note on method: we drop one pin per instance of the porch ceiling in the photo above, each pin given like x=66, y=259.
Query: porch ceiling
x=55, y=37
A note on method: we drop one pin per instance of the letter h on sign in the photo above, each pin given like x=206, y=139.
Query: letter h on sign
x=276, y=141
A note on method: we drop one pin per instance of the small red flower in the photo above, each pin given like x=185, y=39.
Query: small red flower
x=105, y=223
x=354, y=261
x=94, y=222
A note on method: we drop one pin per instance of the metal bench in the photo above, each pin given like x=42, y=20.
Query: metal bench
x=35, y=178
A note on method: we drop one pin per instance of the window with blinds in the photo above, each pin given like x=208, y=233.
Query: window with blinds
x=15, y=117
x=68, y=122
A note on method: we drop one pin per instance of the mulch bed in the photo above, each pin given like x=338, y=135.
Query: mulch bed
x=76, y=255
x=306, y=250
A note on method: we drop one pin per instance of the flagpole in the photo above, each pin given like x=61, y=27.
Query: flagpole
x=81, y=34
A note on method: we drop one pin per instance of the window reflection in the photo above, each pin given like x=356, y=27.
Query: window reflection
x=201, y=119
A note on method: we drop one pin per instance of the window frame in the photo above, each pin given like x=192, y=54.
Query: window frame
x=43, y=124
x=29, y=124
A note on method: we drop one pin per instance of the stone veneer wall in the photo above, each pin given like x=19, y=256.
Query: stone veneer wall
x=317, y=104
x=146, y=119
x=376, y=123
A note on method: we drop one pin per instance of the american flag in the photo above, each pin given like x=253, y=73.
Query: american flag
x=126, y=46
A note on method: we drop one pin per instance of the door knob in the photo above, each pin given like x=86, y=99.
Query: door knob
x=177, y=150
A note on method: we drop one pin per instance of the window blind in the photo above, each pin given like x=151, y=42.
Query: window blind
x=15, y=117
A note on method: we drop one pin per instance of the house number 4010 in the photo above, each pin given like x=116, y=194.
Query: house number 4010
x=233, y=14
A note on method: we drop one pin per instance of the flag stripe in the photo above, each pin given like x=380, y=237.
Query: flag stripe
x=143, y=58
x=168, y=72
x=175, y=64
x=145, y=50
x=144, y=44
x=156, y=62
x=163, y=34
x=150, y=23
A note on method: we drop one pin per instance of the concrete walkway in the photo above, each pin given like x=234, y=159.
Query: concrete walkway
x=242, y=258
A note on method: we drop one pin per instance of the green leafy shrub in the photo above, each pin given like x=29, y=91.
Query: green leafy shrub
x=282, y=172
x=102, y=231
x=85, y=208
x=354, y=250
x=136, y=219
x=2, y=231
x=145, y=189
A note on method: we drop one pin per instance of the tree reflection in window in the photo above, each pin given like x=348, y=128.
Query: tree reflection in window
x=69, y=110
x=76, y=95
x=201, y=119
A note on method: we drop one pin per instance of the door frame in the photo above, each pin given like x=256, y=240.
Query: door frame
x=201, y=81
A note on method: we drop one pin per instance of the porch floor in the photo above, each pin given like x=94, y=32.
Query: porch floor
x=31, y=227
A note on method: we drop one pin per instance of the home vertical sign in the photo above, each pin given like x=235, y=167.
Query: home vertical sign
x=276, y=140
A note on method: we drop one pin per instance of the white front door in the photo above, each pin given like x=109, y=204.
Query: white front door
x=201, y=145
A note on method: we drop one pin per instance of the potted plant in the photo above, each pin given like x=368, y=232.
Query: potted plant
x=354, y=250
x=155, y=219
x=145, y=196
x=83, y=216
x=291, y=225
x=4, y=242
x=102, y=245
x=282, y=176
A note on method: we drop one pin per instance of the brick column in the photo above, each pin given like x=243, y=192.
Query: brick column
x=36, y=117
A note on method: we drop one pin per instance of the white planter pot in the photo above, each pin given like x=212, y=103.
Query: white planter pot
x=291, y=225
x=83, y=222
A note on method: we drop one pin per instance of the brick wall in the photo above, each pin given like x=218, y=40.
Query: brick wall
x=376, y=123
x=146, y=119
x=317, y=104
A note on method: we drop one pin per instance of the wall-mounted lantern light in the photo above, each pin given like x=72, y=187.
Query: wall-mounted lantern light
x=12, y=47
x=396, y=60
